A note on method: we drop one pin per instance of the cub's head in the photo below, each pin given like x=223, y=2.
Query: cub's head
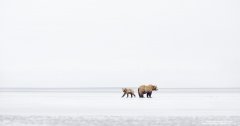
x=154, y=87
x=124, y=90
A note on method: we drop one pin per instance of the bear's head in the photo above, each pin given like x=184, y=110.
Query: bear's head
x=124, y=90
x=154, y=87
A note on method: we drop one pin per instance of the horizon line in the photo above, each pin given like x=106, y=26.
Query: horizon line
x=115, y=87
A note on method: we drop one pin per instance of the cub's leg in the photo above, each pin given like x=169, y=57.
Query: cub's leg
x=133, y=94
x=127, y=95
x=124, y=94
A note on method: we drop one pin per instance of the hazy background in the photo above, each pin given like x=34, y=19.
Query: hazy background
x=98, y=43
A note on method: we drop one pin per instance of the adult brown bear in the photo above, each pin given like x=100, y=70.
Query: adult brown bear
x=146, y=89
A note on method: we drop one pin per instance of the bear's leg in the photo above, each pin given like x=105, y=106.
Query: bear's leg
x=124, y=94
x=140, y=94
x=134, y=95
x=131, y=95
x=147, y=95
x=150, y=94
x=127, y=95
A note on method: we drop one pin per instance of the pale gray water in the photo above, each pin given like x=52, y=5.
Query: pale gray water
x=105, y=107
x=11, y=120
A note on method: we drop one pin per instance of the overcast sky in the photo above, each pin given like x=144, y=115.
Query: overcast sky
x=99, y=43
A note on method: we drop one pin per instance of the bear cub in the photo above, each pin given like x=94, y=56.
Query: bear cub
x=128, y=91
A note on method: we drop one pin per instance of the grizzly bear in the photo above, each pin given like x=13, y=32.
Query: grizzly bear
x=146, y=89
x=128, y=91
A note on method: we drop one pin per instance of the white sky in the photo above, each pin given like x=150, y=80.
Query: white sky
x=72, y=43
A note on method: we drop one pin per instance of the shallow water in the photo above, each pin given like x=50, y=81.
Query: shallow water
x=119, y=120
x=92, y=106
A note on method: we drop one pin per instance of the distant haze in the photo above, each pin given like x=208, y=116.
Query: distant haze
x=107, y=43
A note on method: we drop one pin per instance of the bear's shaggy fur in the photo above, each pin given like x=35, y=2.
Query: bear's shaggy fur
x=146, y=89
x=128, y=91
